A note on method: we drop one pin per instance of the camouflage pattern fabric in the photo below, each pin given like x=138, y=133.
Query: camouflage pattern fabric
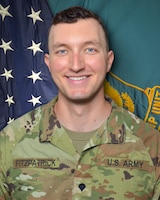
x=38, y=160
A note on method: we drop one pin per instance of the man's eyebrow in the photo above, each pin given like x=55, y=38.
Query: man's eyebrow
x=58, y=45
x=94, y=42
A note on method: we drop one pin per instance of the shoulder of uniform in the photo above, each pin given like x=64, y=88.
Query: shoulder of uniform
x=132, y=122
x=29, y=121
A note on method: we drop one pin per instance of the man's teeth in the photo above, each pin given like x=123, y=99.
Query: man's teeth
x=77, y=78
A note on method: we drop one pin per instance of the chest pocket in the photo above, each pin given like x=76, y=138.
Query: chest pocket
x=40, y=178
x=118, y=172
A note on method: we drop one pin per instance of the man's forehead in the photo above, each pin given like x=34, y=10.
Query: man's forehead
x=89, y=28
x=82, y=22
x=85, y=43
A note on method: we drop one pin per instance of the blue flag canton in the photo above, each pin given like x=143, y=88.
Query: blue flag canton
x=25, y=81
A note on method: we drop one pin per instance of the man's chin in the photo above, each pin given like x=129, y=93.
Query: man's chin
x=81, y=99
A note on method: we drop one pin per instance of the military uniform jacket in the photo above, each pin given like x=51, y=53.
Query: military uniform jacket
x=39, y=162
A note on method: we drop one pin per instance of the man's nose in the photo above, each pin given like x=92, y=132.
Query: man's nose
x=77, y=63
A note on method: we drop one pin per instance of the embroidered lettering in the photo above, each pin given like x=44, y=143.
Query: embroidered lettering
x=112, y=162
x=152, y=120
x=132, y=164
x=154, y=107
x=39, y=163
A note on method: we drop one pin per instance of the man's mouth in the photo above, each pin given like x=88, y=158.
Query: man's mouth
x=77, y=78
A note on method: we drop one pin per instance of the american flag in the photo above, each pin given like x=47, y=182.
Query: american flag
x=25, y=82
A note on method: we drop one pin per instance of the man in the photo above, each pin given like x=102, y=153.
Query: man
x=80, y=145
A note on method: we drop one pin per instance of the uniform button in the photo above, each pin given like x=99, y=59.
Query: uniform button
x=82, y=186
x=79, y=166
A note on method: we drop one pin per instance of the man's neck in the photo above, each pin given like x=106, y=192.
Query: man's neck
x=82, y=117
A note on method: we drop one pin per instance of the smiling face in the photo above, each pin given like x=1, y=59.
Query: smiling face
x=78, y=59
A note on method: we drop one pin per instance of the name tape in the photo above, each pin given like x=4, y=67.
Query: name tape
x=37, y=163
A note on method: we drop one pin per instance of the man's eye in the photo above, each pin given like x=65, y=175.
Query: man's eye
x=90, y=50
x=62, y=51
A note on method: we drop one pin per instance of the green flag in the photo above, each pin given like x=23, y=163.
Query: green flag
x=134, y=30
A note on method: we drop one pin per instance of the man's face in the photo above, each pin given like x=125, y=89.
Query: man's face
x=78, y=59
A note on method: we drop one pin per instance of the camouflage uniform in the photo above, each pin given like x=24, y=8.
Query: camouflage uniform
x=38, y=160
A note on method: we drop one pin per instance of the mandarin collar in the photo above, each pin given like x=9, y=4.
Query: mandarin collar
x=112, y=132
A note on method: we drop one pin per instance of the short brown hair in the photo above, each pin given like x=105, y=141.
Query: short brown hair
x=73, y=14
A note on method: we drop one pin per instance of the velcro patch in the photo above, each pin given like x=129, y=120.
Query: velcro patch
x=37, y=163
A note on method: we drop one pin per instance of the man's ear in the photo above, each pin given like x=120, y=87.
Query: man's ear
x=46, y=59
x=110, y=59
